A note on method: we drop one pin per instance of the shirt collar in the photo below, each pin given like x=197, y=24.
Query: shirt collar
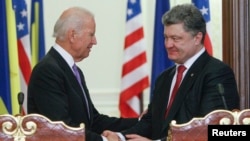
x=191, y=60
x=66, y=56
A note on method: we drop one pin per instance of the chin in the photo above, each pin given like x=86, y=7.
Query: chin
x=171, y=57
x=87, y=55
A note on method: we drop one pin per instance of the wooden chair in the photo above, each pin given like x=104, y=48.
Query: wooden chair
x=35, y=127
x=197, y=128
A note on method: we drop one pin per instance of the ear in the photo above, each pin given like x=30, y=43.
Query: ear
x=198, y=38
x=71, y=35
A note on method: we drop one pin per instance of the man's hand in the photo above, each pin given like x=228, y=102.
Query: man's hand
x=111, y=136
x=135, y=137
x=142, y=114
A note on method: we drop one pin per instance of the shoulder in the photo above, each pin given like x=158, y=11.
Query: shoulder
x=216, y=64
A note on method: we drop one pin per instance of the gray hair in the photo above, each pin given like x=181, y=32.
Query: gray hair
x=72, y=18
x=189, y=15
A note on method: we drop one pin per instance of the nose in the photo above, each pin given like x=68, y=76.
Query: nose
x=169, y=43
x=94, y=41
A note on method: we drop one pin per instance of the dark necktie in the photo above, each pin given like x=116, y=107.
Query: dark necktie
x=180, y=71
x=76, y=72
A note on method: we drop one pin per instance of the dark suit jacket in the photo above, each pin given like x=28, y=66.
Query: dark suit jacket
x=54, y=91
x=197, y=95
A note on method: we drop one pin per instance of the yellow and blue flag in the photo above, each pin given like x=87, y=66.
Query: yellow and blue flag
x=5, y=100
x=37, y=31
x=15, y=50
x=10, y=78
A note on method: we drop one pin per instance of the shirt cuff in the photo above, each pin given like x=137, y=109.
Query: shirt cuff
x=122, y=138
x=104, y=138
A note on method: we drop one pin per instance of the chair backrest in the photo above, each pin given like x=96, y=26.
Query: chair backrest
x=197, y=128
x=35, y=127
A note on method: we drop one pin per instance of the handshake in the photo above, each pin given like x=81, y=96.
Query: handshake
x=116, y=136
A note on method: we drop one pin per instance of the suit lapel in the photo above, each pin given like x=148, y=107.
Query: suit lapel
x=75, y=85
x=86, y=93
x=161, y=93
x=64, y=66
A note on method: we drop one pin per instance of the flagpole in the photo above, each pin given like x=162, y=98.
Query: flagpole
x=141, y=103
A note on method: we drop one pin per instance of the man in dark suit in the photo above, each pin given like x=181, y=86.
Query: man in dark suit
x=54, y=90
x=203, y=76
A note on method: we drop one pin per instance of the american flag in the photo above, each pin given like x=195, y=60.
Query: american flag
x=23, y=42
x=134, y=72
x=203, y=5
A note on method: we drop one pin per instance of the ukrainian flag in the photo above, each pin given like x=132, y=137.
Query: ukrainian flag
x=10, y=77
x=37, y=31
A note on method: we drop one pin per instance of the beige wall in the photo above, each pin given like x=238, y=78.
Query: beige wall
x=103, y=67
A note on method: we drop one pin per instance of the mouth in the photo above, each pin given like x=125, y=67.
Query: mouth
x=89, y=47
x=171, y=51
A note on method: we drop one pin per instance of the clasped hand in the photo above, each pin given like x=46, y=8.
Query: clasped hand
x=113, y=136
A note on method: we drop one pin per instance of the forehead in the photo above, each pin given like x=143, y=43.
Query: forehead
x=90, y=23
x=174, y=29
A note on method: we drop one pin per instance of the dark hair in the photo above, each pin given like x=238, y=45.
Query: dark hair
x=189, y=15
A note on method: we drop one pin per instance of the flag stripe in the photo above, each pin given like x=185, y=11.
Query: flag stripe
x=34, y=32
x=134, y=50
x=133, y=37
x=13, y=57
x=136, y=88
x=134, y=76
x=133, y=24
x=134, y=63
x=24, y=62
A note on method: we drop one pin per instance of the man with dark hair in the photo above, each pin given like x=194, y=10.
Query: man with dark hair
x=196, y=92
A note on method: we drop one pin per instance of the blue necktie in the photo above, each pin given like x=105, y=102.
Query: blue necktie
x=76, y=72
